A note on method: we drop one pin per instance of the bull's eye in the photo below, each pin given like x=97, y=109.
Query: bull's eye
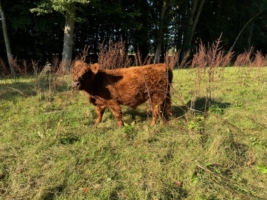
x=83, y=78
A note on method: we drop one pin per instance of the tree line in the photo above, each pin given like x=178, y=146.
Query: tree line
x=42, y=29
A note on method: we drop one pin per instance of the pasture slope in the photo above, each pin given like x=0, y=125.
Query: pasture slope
x=215, y=146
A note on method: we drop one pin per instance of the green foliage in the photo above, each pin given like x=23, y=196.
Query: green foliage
x=50, y=149
x=43, y=8
x=262, y=168
x=136, y=22
x=22, y=21
x=62, y=6
x=197, y=123
x=216, y=109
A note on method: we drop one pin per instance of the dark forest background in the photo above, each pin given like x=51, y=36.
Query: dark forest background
x=143, y=25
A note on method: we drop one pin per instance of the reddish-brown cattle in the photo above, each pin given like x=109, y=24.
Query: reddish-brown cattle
x=125, y=86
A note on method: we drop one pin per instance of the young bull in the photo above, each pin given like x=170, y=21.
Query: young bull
x=125, y=86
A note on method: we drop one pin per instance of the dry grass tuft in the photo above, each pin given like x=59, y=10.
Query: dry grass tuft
x=211, y=60
x=34, y=65
x=113, y=55
x=244, y=59
x=3, y=69
x=20, y=68
x=211, y=56
x=171, y=60
x=138, y=59
x=84, y=53
x=259, y=60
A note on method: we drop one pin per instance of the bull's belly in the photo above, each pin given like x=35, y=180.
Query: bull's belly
x=133, y=101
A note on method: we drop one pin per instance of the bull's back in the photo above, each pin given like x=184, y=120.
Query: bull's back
x=137, y=83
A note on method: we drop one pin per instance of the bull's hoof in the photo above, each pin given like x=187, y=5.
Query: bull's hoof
x=153, y=122
x=120, y=123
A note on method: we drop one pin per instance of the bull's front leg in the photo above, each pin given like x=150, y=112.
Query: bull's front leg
x=99, y=112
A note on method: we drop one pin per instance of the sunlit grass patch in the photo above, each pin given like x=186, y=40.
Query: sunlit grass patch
x=214, y=147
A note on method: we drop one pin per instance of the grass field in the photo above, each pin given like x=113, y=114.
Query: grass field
x=215, y=146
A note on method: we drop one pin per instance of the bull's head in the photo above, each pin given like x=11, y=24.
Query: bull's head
x=83, y=74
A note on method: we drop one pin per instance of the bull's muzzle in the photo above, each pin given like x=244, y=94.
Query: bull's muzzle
x=76, y=85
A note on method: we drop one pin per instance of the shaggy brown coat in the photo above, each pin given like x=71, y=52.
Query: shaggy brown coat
x=125, y=86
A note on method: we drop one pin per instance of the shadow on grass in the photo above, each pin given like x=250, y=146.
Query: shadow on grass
x=12, y=90
x=143, y=115
x=179, y=111
x=30, y=86
x=199, y=105
x=53, y=193
x=174, y=191
x=202, y=104
x=69, y=139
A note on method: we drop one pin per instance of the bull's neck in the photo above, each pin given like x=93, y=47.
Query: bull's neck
x=91, y=86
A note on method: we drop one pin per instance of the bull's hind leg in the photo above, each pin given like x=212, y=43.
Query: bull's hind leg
x=116, y=111
x=155, y=113
x=161, y=108
x=156, y=104
x=99, y=112
x=167, y=106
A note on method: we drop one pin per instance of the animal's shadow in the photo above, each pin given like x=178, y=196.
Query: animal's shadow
x=140, y=115
x=30, y=86
x=201, y=105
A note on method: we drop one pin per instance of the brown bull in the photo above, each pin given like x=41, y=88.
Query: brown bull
x=125, y=86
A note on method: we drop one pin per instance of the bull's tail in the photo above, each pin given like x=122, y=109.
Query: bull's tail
x=167, y=105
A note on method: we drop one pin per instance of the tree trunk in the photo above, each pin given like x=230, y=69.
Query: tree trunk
x=199, y=9
x=193, y=20
x=161, y=27
x=6, y=39
x=250, y=35
x=232, y=47
x=68, y=38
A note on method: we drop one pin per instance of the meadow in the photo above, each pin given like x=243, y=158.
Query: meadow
x=214, y=147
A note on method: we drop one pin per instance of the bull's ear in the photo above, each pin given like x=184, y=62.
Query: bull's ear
x=95, y=68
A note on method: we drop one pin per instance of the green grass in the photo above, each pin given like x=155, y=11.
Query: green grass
x=50, y=149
